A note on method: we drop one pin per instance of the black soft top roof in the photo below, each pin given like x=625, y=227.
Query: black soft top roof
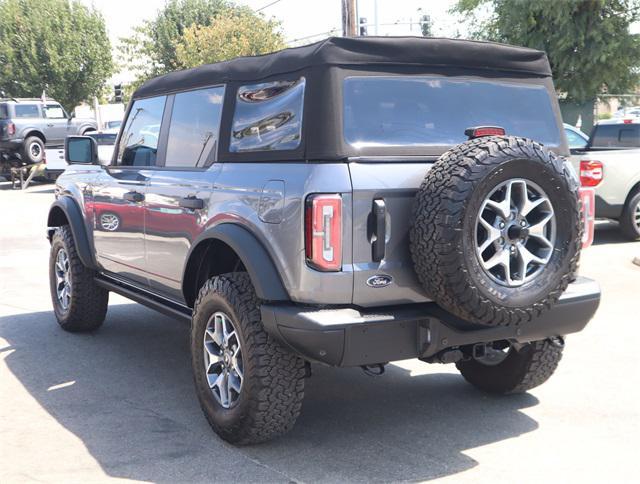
x=357, y=52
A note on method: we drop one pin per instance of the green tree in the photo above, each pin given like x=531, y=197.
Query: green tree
x=232, y=33
x=151, y=50
x=588, y=42
x=59, y=46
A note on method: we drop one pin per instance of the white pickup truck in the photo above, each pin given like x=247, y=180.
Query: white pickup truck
x=610, y=163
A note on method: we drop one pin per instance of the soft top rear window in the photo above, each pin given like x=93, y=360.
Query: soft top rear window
x=435, y=111
x=616, y=136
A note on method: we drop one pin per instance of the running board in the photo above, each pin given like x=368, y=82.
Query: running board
x=148, y=299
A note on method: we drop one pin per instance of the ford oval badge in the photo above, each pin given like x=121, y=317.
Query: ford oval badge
x=379, y=280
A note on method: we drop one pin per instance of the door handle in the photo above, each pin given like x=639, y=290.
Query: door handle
x=192, y=202
x=379, y=230
x=133, y=197
x=49, y=125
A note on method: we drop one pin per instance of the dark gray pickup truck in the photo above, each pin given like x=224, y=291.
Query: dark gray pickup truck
x=348, y=203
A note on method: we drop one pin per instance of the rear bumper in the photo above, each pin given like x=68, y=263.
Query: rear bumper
x=607, y=210
x=355, y=336
x=10, y=145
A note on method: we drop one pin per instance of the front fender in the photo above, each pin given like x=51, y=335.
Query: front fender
x=65, y=211
x=256, y=259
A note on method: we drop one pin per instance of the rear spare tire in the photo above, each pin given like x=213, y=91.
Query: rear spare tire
x=496, y=234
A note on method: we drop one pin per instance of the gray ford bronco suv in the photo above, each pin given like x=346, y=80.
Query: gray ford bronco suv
x=349, y=203
x=28, y=124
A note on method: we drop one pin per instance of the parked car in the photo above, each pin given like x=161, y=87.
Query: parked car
x=610, y=163
x=352, y=202
x=576, y=139
x=29, y=125
x=113, y=124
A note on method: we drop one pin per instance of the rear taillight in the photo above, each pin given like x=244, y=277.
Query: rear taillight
x=588, y=199
x=591, y=173
x=11, y=129
x=323, y=232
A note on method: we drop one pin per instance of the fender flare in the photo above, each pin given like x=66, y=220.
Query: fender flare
x=74, y=217
x=259, y=264
x=33, y=131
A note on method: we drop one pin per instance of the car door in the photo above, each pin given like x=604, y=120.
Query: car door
x=120, y=190
x=56, y=123
x=179, y=187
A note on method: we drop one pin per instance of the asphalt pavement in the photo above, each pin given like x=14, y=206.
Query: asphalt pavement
x=119, y=403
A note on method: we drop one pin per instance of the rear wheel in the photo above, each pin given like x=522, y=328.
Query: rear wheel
x=630, y=220
x=505, y=368
x=249, y=387
x=78, y=302
x=33, y=150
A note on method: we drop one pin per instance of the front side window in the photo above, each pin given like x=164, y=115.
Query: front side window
x=195, y=123
x=268, y=116
x=418, y=111
x=26, y=111
x=139, y=142
x=54, y=111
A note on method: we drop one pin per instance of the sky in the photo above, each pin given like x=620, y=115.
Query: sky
x=303, y=21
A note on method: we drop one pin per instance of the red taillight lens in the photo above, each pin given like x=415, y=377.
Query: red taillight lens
x=588, y=199
x=479, y=131
x=323, y=232
x=591, y=173
x=11, y=129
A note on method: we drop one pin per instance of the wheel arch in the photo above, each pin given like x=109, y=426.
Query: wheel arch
x=235, y=248
x=65, y=211
x=34, y=132
x=634, y=189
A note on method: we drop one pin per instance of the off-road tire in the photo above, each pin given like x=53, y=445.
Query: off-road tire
x=627, y=220
x=89, y=302
x=442, y=236
x=26, y=154
x=523, y=369
x=273, y=386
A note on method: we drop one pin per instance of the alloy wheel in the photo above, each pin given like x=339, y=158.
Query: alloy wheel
x=515, y=232
x=223, y=359
x=63, y=279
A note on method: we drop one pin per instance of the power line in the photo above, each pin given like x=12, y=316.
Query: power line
x=328, y=32
x=268, y=5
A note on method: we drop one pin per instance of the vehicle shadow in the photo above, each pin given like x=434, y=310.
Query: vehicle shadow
x=608, y=233
x=126, y=392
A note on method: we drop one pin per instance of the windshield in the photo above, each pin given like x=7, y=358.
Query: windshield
x=435, y=111
x=616, y=136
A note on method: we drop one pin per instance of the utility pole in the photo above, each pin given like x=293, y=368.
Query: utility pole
x=349, y=28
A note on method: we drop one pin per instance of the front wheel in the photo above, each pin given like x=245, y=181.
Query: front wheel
x=78, y=302
x=505, y=368
x=249, y=387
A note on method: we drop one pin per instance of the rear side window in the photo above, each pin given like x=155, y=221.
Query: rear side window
x=616, y=136
x=139, y=142
x=194, y=128
x=26, y=111
x=268, y=116
x=434, y=111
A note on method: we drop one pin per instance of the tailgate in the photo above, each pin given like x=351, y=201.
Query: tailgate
x=395, y=185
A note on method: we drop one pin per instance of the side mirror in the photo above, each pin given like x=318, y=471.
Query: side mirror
x=81, y=150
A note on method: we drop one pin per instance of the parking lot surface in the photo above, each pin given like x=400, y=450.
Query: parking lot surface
x=119, y=403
